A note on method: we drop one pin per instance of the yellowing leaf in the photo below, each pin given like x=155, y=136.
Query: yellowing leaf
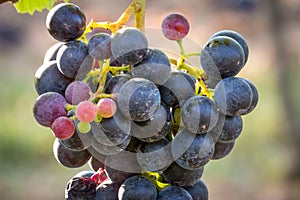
x=30, y=6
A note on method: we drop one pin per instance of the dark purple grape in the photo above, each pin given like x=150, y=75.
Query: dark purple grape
x=155, y=67
x=139, y=99
x=179, y=87
x=112, y=131
x=222, y=149
x=107, y=190
x=122, y=166
x=192, y=151
x=80, y=188
x=48, y=78
x=52, y=52
x=65, y=22
x=179, y=176
x=77, y=92
x=238, y=37
x=255, y=96
x=115, y=83
x=235, y=96
x=73, y=60
x=154, y=129
x=48, y=107
x=174, y=193
x=199, y=191
x=137, y=187
x=100, y=46
x=129, y=45
x=232, y=128
x=78, y=142
x=199, y=114
x=155, y=156
x=68, y=158
x=222, y=57
x=95, y=164
x=110, y=150
x=175, y=26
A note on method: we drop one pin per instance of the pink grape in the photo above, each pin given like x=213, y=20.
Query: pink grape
x=175, y=26
x=77, y=92
x=106, y=107
x=86, y=111
x=63, y=128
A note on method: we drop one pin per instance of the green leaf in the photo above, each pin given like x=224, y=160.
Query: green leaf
x=30, y=6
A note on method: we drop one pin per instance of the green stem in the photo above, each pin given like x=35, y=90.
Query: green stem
x=155, y=178
x=192, y=54
x=179, y=42
x=117, y=69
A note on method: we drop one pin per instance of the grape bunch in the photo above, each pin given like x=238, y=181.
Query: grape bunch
x=146, y=123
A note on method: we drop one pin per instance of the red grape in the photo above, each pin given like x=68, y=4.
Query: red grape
x=106, y=107
x=86, y=111
x=175, y=26
x=63, y=128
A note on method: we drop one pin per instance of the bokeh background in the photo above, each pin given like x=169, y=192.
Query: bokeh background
x=265, y=162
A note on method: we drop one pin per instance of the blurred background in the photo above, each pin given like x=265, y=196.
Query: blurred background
x=265, y=162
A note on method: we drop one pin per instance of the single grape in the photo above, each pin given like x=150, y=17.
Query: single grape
x=137, y=187
x=155, y=156
x=199, y=191
x=78, y=142
x=86, y=111
x=234, y=96
x=100, y=46
x=84, y=127
x=175, y=26
x=222, y=149
x=138, y=99
x=112, y=131
x=80, y=188
x=115, y=83
x=155, y=129
x=106, y=107
x=231, y=129
x=174, y=193
x=199, y=114
x=77, y=92
x=63, y=128
x=155, y=67
x=95, y=164
x=48, y=107
x=48, y=78
x=65, y=22
x=109, y=149
x=182, y=177
x=129, y=45
x=222, y=57
x=192, y=151
x=178, y=88
x=108, y=190
x=238, y=37
x=68, y=158
x=122, y=166
x=255, y=96
x=73, y=60
x=51, y=53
